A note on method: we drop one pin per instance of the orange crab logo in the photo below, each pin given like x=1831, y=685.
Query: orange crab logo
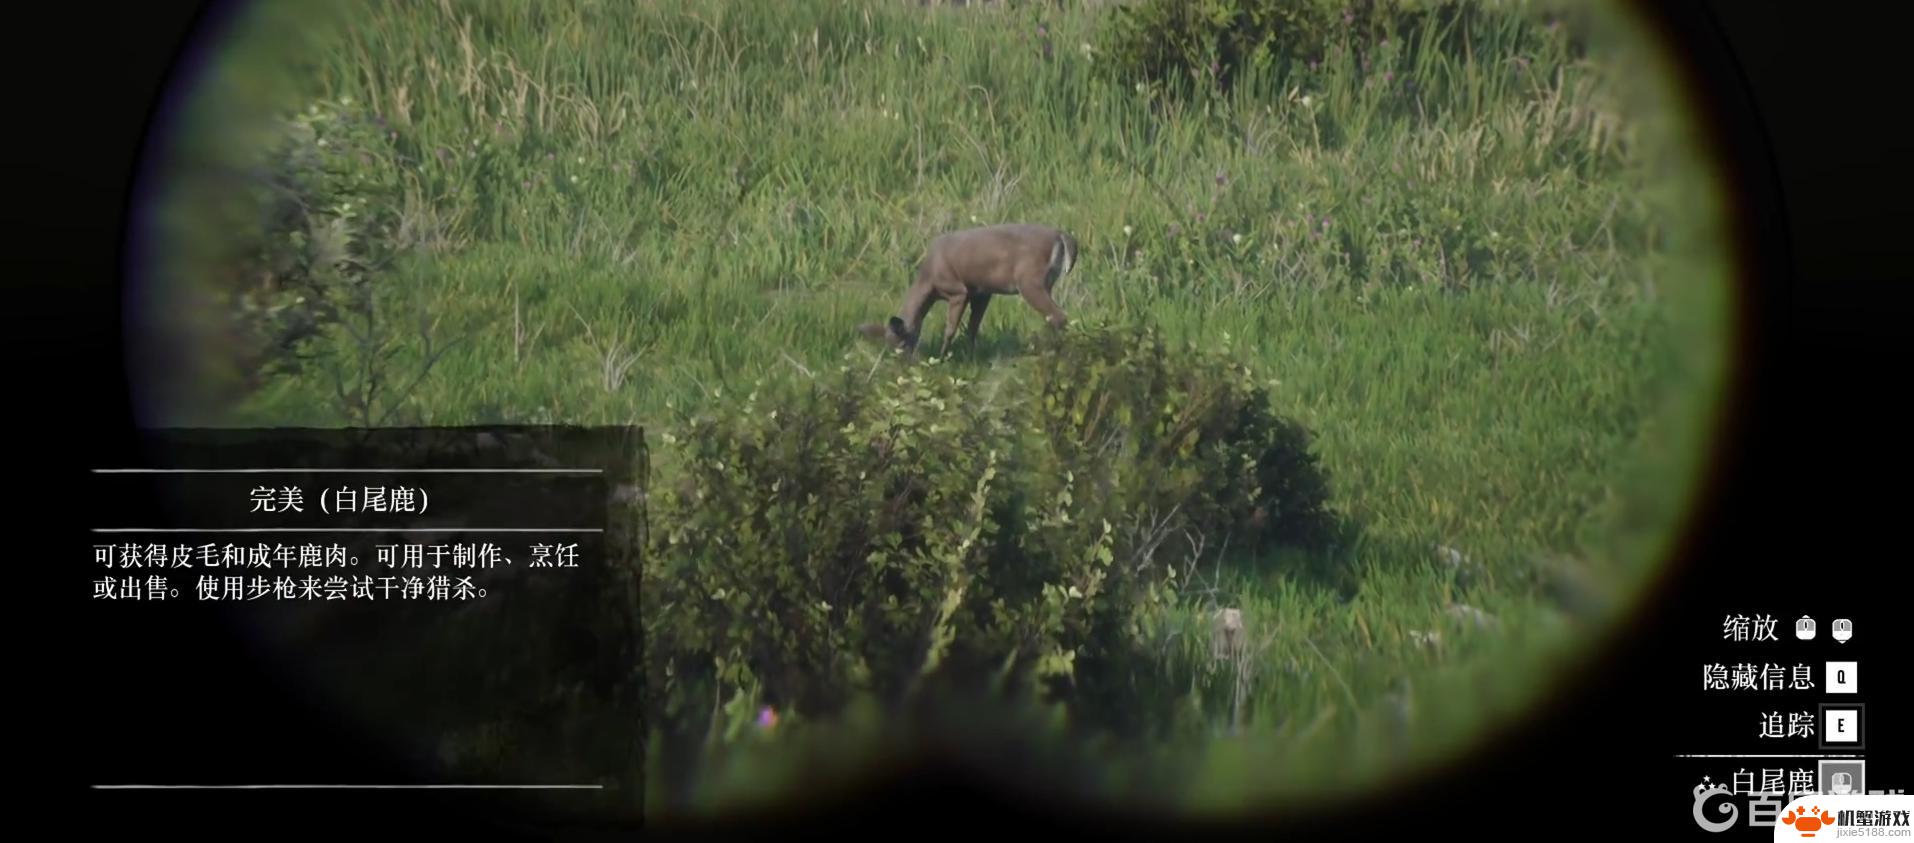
x=1807, y=822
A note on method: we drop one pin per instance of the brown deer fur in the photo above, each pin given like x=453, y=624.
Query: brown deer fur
x=967, y=268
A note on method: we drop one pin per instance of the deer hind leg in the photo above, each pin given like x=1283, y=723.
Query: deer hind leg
x=1039, y=298
x=953, y=318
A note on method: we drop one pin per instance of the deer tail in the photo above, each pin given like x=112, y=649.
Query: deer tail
x=1063, y=254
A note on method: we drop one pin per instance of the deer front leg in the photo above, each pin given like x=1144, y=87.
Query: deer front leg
x=977, y=306
x=953, y=318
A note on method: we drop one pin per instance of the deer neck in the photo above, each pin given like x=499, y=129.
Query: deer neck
x=917, y=302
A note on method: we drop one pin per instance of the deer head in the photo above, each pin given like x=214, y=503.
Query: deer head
x=894, y=334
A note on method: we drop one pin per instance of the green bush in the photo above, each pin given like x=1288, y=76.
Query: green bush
x=328, y=202
x=867, y=532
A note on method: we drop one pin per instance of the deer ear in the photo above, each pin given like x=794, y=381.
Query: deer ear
x=872, y=330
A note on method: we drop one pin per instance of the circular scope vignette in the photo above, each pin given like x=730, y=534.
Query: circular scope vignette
x=1492, y=283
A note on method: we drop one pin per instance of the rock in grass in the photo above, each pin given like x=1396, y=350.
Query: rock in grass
x=1571, y=586
x=1226, y=634
x=1470, y=614
x=1465, y=571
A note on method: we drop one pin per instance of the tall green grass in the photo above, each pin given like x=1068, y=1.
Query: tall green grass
x=1483, y=279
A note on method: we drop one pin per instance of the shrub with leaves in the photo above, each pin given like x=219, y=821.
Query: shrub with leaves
x=868, y=532
x=1186, y=437
x=328, y=202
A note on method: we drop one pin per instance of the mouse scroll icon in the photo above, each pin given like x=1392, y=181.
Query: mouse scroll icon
x=1804, y=628
x=1843, y=630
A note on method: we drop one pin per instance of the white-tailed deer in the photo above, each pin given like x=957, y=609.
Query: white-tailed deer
x=969, y=267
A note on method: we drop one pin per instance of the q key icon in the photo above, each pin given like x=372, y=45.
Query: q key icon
x=1843, y=677
x=1804, y=628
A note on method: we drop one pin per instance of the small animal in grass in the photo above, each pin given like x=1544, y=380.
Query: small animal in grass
x=969, y=268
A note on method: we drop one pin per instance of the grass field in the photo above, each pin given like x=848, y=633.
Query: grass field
x=1491, y=283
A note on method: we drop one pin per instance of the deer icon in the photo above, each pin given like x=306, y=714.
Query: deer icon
x=969, y=267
